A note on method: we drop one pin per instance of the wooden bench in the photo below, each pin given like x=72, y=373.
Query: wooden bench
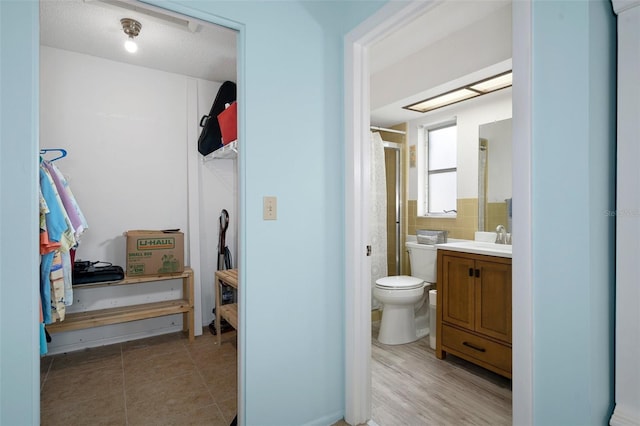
x=227, y=311
x=121, y=314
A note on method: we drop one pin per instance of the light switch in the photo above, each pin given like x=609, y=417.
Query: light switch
x=270, y=208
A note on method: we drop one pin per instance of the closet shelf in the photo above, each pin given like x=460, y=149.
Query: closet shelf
x=121, y=314
x=227, y=311
x=97, y=318
x=229, y=150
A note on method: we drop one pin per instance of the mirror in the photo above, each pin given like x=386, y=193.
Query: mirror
x=494, y=176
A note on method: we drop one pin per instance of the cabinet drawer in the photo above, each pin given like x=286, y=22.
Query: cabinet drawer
x=476, y=347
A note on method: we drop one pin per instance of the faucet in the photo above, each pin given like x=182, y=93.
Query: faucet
x=502, y=236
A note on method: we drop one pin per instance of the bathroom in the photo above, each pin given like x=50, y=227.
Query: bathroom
x=483, y=185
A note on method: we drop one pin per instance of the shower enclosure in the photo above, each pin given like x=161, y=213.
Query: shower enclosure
x=393, y=166
x=385, y=227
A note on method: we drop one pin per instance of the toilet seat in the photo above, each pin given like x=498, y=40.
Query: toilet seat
x=400, y=282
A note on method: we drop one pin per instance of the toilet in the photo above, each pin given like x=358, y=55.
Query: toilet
x=405, y=309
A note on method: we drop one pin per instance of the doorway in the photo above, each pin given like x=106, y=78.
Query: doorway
x=357, y=314
x=191, y=96
x=130, y=111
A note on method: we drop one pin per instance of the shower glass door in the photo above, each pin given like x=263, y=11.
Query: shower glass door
x=392, y=166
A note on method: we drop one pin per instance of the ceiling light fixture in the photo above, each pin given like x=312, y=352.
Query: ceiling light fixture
x=482, y=87
x=131, y=28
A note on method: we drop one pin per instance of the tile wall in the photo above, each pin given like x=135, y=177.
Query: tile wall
x=496, y=215
x=463, y=226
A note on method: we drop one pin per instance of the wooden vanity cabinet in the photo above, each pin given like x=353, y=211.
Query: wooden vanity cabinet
x=474, y=309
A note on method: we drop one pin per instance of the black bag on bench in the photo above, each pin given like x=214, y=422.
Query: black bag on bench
x=86, y=272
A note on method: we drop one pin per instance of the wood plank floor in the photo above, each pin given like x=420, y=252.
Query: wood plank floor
x=410, y=386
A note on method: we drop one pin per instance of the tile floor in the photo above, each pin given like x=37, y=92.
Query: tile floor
x=161, y=380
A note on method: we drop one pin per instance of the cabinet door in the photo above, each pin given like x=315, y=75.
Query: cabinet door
x=458, y=290
x=493, y=300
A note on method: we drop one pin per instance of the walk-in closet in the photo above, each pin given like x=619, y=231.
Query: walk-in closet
x=129, y=124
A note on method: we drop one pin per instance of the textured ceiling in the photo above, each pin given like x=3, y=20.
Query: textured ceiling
x=167, y=41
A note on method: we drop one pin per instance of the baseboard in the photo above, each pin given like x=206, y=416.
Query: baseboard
x=80, y=345
x=327, y=420
x=622, y=418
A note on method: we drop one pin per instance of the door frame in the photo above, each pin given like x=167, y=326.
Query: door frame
x=389, y=18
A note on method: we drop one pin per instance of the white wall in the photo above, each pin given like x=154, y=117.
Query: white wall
x=127, y=162
x=469, y=116
x=130, y=146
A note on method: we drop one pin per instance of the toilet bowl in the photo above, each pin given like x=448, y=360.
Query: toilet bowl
x=404, y=299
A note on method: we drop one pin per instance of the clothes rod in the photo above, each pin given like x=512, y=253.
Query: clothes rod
x=388, y=130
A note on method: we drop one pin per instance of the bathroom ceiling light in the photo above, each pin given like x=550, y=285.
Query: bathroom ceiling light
x=482, y=87
x=131, y=28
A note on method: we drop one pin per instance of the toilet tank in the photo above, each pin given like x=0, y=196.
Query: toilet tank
x=423, y=259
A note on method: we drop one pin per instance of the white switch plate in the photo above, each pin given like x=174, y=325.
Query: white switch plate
x=270, y=208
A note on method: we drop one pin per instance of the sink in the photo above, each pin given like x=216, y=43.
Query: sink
x=478, y=247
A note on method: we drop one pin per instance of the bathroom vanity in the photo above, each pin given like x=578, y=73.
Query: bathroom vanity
x=474, y=304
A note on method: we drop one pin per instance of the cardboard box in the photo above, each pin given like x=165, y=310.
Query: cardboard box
x=154, y=252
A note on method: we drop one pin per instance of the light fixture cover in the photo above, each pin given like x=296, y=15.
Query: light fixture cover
x=494, y=83
x=131, y=27
x=482, y=87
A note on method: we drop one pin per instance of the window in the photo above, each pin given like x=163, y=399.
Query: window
x=440, y=169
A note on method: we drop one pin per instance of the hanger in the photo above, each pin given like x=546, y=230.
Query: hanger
x=63, y=152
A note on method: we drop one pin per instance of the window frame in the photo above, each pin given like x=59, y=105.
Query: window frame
x=425, y=172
